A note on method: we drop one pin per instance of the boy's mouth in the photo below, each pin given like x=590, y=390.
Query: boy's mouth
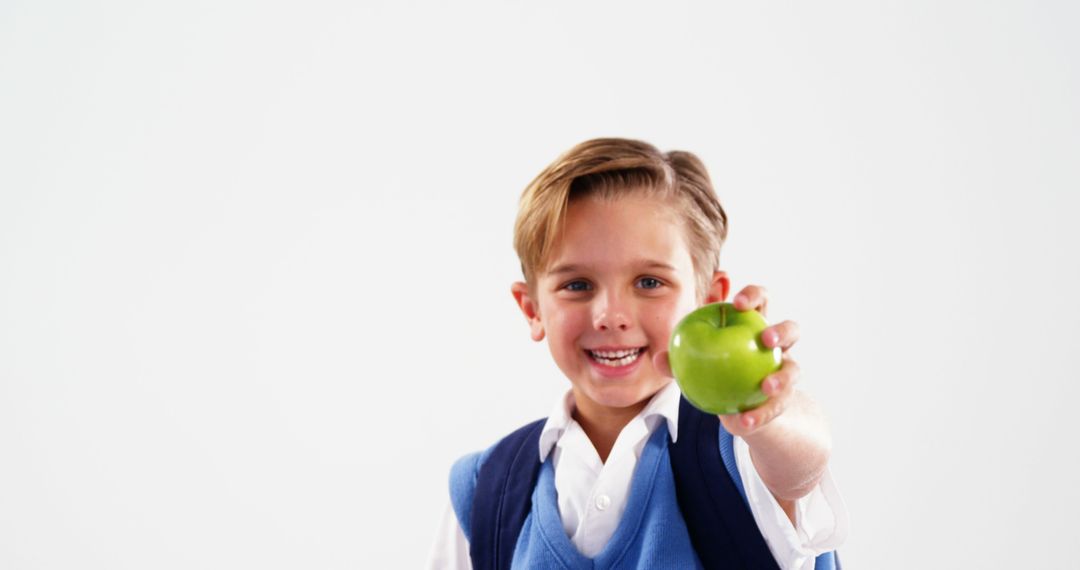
x=616, y=358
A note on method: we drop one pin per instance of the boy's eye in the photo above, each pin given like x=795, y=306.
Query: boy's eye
x=576, y=286
x=649, y=282
x=644, y=283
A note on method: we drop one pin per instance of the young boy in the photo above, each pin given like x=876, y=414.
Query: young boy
x=617, y=242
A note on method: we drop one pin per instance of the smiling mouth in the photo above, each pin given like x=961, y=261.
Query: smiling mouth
x=616, y=358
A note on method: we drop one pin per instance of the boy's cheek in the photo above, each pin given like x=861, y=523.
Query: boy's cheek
x=666, y=319
x=570, y=322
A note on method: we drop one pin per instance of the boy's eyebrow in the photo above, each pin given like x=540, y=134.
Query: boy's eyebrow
x=574, y=267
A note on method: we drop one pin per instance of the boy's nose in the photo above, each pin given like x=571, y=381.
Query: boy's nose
x=608, y=319
x=621, y=324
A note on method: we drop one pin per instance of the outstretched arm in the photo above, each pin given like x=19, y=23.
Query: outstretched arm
x=788, y=436
x=790, y=452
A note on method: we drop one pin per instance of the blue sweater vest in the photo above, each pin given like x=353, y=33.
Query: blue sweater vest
x=651, y=533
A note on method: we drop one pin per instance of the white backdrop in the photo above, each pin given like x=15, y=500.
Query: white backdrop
x=255, y=258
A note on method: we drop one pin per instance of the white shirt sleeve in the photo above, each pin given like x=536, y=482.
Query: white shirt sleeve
x=451, y=549
x=821, y=517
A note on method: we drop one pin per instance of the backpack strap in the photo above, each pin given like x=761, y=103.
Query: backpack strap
x=711, y=498
x=502, y=497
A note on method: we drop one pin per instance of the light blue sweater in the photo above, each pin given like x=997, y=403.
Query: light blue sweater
x=651, y=533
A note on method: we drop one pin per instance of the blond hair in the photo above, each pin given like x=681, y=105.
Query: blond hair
x=611, y=167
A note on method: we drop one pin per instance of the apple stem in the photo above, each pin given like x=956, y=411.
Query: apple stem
x=723, y=316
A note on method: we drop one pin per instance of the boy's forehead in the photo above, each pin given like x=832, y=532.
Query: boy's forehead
x=619, y=234
x=575, y=267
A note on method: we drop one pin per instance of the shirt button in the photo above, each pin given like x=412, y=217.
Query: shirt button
x=603, y=502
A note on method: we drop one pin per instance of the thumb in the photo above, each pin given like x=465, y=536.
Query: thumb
x=661, y=364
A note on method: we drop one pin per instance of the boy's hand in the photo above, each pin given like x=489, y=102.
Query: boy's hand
x=778, y=386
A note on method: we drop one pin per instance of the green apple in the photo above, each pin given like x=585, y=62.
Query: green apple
x=718, y=359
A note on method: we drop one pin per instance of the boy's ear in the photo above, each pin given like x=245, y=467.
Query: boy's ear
x=718, y=288
x=530, y=308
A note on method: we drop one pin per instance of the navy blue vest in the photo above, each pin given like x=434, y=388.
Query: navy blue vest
x=707, y=486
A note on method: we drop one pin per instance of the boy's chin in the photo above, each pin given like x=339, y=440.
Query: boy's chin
x=623, y=396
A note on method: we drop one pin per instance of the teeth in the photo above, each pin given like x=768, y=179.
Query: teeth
x=615, y=354
x=616, y=358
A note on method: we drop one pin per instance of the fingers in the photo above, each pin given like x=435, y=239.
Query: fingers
x=662, y=364
x=752, y=297
x=778, y=386
x=755, y=297
x=765, y=413
x=782, y=380
x=783, y=334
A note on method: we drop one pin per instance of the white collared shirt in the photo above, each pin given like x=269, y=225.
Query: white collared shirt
x=592, y=495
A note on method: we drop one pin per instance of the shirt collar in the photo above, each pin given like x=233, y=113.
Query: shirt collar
x=664, y=404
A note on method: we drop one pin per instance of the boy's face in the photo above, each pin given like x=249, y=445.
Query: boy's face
x=617, y=283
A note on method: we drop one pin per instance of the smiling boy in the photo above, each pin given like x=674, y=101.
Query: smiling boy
x=618, y=242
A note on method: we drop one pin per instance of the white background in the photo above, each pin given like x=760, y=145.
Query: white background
x=255, y=258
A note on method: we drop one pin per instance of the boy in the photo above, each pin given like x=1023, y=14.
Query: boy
x=617, y=242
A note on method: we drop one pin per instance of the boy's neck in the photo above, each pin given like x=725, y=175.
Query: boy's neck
x=602, y=424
